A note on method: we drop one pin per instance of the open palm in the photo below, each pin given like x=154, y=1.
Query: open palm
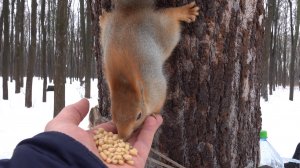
x=68, y=119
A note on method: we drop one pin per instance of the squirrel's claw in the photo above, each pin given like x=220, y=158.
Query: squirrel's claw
x=190, y=12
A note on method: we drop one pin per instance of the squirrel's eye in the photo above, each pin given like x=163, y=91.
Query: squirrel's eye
x=139, y=116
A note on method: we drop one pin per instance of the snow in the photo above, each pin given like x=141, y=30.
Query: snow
x=280, y=116
x=18, y=122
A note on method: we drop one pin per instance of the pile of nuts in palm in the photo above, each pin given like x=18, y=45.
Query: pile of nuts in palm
x=112, y=149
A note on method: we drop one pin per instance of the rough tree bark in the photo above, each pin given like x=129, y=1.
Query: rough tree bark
x=212, y=114
x=103, y=99
x=32, y=55
x=5, y=56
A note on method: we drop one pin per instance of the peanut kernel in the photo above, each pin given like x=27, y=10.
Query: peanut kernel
x=112, y=149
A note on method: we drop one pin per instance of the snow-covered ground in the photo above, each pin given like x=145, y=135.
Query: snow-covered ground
x=18, y=122
x=280, y=116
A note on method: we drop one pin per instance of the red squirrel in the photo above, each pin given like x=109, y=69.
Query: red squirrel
x=136, y=40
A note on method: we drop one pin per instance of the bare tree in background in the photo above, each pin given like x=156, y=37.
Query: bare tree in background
x=19, y=41
x=5, y=56
x=271, y=5
x=294, y=40
x=273, y=48
x=284, y=76
x=44, y=56
x=32, y=55
x=52, y=14
x=88, y=56
x=23, y=43
x=60, y=57
x=84, y=44
x=12, y=52
x=1, y=32
x=82, y=36
x=72, y=48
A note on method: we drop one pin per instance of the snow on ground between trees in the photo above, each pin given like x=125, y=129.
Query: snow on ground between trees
x=18, y=122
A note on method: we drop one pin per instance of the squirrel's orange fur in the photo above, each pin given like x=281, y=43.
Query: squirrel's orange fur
x=136, y=40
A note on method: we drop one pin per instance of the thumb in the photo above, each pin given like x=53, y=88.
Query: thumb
x=146, y=135
x=74, y=113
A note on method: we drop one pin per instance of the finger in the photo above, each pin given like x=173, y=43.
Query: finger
x=145, y=137
x=74, y=113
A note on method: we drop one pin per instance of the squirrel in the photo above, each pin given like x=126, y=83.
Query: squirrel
x=136, y=40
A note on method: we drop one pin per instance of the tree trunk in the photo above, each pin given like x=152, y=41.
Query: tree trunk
x=12, y=11
x=279, y=61
x=271, y=4
x=285, y=52
x=212, y=113
x=51, y=56
x=38, y=61
x=44, y=56
x=88, y=55
x=272, y=64
x=85, y=66
x=103, y=98
x=18, y=47
x=23, y=46
x=50, y=46
x=5, y=56
x=1, y=32
x=60, y=58
x=72, y=48
x=294, y=44
x=19, y=42
x=32, y=55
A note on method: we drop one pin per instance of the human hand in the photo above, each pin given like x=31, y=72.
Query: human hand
x=141, y=140
x=68, y=119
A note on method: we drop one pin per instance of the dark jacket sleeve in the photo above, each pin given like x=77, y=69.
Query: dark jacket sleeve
x=53, y=150
x=297, y=152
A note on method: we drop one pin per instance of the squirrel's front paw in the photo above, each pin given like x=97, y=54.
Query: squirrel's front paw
x=189, y=12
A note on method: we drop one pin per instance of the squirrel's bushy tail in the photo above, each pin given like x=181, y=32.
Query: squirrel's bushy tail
x=135, y=4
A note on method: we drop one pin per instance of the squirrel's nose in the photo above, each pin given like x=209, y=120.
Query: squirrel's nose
x=125, y=136
x=124, y=133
